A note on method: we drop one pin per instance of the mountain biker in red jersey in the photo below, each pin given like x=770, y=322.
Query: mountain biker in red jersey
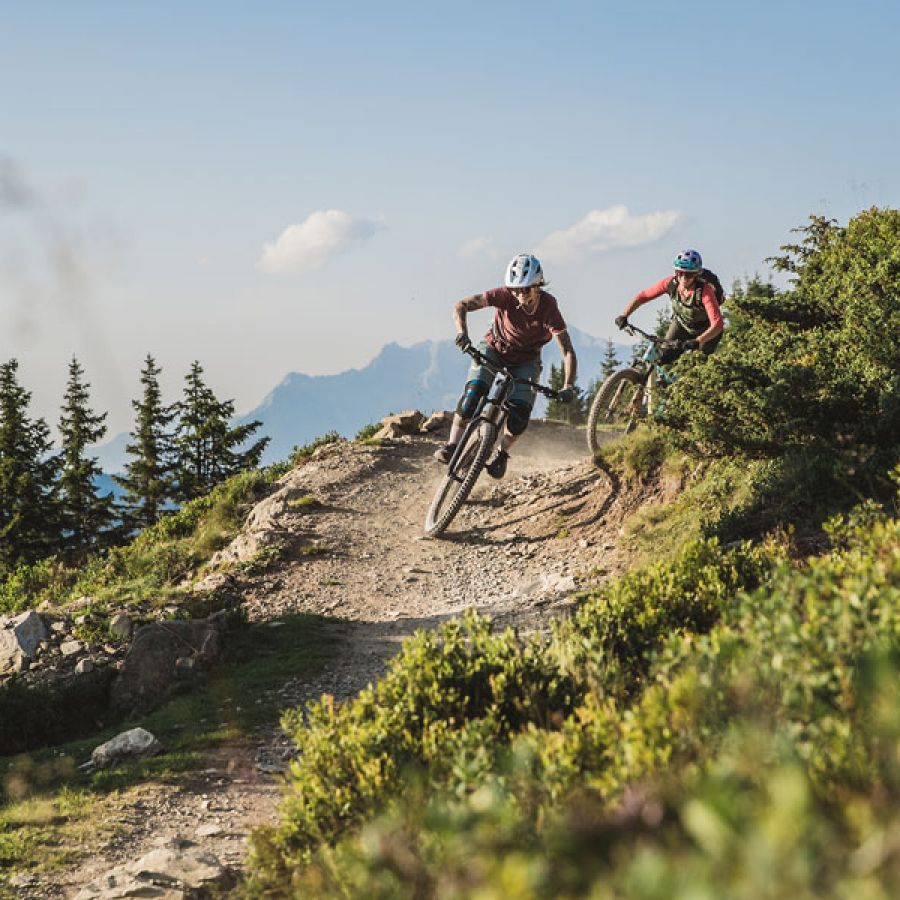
x=697, y=322
x=526, y=317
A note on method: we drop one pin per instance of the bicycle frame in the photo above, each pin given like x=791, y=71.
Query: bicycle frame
x=476, y=443
x=493, y=407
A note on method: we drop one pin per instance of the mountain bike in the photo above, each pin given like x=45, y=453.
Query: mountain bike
x=632, y=393
x=476, y=444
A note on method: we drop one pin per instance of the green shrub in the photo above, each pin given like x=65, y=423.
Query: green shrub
x=731, y=713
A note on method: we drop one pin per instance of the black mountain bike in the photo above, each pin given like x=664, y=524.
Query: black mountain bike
x=631, y=393
x=475, y=446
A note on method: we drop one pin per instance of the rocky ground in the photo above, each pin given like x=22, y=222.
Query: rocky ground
x=355, y=552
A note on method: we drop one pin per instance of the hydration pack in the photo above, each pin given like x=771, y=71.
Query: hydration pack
x=707, y=276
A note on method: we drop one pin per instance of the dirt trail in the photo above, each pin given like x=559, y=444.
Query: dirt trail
x=517, y=551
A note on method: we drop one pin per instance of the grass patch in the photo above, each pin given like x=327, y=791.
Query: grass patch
x=638, y=455
x=708, y=496
x=367, y=432
x=152, y=565
x=52, y=814
x=306, y=502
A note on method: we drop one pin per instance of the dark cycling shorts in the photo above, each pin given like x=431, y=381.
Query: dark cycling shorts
x=521, y=392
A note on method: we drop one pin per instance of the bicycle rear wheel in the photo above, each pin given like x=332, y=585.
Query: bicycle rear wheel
x=457, y=484
x=618, y=403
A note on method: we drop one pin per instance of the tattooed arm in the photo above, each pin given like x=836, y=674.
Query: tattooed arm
x=476, y=301
x=570, y=363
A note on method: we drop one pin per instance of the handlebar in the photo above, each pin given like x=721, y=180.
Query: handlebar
x=482, y=360
x=660, y=342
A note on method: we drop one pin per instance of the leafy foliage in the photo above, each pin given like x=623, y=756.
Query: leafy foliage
x=728, y=724
x=812, y=371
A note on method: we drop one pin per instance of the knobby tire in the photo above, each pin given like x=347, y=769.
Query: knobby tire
x=452, y=492
x=618, y=402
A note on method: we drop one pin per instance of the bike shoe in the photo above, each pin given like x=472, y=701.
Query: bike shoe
x=496, y=468
x=445, y=453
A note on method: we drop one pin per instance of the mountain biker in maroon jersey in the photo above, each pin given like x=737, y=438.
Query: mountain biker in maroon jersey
x=697, y=322
x=526, y=317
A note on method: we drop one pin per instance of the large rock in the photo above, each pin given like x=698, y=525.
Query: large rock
x=409, y=422
x=127, y=745
x=157, y=659
x=174, y=872
x=20, y=637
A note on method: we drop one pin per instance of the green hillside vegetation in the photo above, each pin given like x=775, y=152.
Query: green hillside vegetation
x=722, y=722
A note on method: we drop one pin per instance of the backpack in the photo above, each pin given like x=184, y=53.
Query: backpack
x=707, y=277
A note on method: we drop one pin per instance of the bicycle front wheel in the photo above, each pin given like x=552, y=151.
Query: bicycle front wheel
x=618, y=404
x=457, y=484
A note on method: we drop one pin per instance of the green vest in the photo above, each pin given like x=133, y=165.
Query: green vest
x=690, y=314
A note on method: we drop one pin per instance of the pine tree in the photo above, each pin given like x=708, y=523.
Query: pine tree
x=86, y=516
x=608, y=365
x=574, y=412
x=610, y=361
x=147, y=482
x=29, y=519
x=205, y=444
x=555, y=409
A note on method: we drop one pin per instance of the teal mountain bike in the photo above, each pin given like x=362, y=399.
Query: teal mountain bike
x=630, y=394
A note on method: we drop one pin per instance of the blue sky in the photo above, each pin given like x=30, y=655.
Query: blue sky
x=288, y=186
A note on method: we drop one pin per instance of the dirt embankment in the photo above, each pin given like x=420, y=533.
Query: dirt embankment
x=518, y=551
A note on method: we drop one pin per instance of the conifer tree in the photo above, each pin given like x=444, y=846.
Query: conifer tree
x=205, y=446
x=85, y=515
x=29, y=520
x=574, y=412
x=610, y=361
x=147, y=481
x=608, y=365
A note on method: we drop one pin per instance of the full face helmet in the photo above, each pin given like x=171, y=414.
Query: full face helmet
x=524, y=271
x=688, y=261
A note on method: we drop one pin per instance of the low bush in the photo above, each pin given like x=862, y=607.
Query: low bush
x=732, y=712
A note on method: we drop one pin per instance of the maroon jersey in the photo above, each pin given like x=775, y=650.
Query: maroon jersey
x=517, y=336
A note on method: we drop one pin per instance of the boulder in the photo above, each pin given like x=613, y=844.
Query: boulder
x=438, y=421
x=20, y=637
x=409, y=422
x=127, y=745
x=179, y=870
x=154, y=662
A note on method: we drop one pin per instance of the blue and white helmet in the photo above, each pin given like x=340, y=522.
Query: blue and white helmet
x=688, y=261
x=524, y=271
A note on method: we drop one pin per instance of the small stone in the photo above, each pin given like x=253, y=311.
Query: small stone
x=83, y=666
x=121, y=626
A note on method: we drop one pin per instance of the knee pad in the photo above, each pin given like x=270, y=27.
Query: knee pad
x=519, y=414
x=470, y=399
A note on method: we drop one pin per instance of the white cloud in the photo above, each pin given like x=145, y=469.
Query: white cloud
x=605, y=229
x=309, y=244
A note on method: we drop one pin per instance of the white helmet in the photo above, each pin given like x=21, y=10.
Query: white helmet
x=524, y=271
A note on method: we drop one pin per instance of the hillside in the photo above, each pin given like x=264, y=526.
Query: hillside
x=518, y=552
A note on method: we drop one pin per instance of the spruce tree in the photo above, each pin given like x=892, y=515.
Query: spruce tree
x=205, y=446
x=147, y=481
x=86, y=516
x=29, y=520
x=610, y=362
x=574, y=412
x=608, y=366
